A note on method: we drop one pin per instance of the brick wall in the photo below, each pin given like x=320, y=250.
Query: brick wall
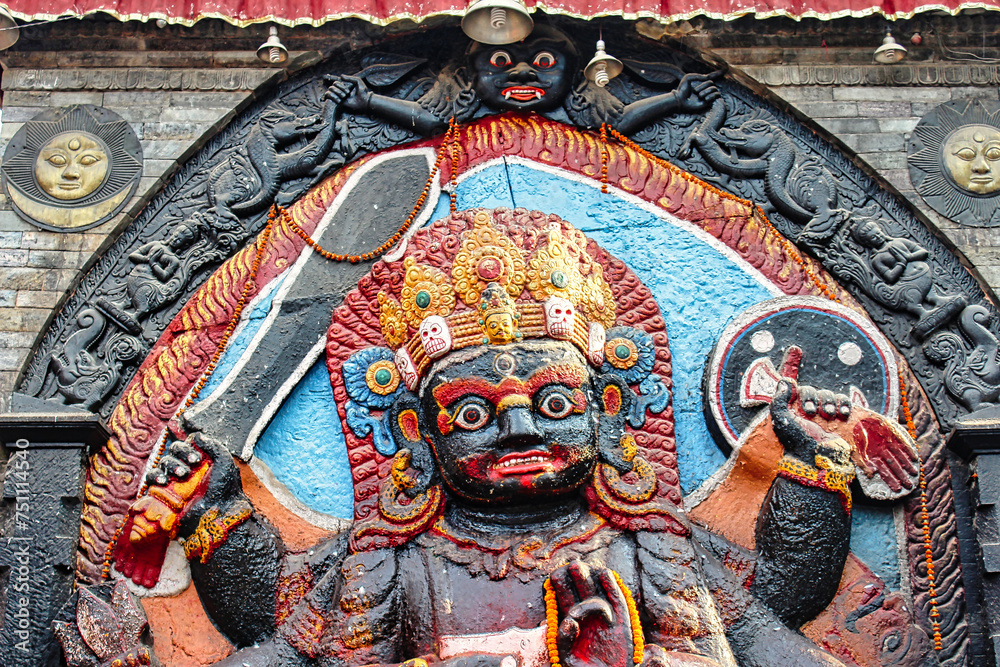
x=38, y=269
x=177, y=86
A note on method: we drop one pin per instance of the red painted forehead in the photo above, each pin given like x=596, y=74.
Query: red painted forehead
x=570, y=375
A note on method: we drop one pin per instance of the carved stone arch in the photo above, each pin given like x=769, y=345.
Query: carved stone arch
x=916, y=291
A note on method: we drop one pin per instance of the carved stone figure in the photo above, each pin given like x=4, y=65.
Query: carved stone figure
x=798, y=187
x=524, y=518
x=972, y=374
x=160, y=272
x=250, y=179
x=900, y=277
x=84, y=371
x=541, y=73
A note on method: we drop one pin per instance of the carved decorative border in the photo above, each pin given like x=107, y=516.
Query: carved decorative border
x=120, y=78
x=874, y=75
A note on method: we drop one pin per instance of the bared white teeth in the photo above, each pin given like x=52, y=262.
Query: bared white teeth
x=522, y=91
x=527, y=460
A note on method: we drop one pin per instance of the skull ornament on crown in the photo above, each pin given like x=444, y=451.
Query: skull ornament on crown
x=559, y=318
x=435, y=336
x=492, y=279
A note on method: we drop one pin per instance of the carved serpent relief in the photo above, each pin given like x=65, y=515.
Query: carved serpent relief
x=739, y=144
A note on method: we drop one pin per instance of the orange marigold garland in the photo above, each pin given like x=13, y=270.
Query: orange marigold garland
x=453, y=148
x=552, y=623
x=924, y=517
x=638, y=641
x=604, y=158
x=449, y=143
x=248, y=287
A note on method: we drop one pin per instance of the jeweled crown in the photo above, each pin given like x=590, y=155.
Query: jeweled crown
x=506, y=296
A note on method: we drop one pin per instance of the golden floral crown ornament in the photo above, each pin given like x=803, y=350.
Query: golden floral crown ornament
x=487, y=256
x=557, y=292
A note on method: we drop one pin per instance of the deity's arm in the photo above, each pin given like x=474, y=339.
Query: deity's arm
x=757, y=637
x=804, y=527
x=407, y=114
x=888, y=266
x=237, y=559
x=693, y=93
x=911, y=251
x=803, y=537
x=677, y=606
x=694, y=606
x=237, y=583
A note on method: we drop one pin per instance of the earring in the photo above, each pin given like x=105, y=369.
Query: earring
x=396, y=484
x=614, y=488
x=400, y=463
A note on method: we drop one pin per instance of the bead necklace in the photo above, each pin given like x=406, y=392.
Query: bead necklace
x=450, y=145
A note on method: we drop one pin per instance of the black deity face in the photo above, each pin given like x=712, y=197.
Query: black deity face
x=512, y=423
x=535, y=74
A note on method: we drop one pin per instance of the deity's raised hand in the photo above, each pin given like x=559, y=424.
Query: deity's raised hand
x=885, y=456
x=595, y=624
x=188, y=474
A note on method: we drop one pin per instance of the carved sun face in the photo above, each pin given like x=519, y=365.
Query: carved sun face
x=71, y=165
x=954, y=159
x=514, y=431
x=972, y=156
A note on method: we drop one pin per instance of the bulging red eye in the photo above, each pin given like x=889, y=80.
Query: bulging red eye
x=472, y=416
x=556, y=405
x=545, y=60
x=500, y=59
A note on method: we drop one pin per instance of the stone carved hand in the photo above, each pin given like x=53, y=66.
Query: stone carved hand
x=697, y=91
x=338, y=89
x=805, y=419
x=811, y=422
x=797, y=412
x=358, y=95
x=191, y=476
x=595, y=628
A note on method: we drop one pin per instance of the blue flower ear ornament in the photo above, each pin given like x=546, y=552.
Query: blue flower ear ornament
x=629, y=353
x=373, y=383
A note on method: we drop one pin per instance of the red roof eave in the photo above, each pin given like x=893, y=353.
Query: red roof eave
x=382, y=12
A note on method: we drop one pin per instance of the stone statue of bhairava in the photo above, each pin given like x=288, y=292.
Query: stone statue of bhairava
x=519, y=518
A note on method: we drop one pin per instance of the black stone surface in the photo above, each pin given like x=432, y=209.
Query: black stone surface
x=40, y=519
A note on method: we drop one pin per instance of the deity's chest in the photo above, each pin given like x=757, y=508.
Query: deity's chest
x=451, y=607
